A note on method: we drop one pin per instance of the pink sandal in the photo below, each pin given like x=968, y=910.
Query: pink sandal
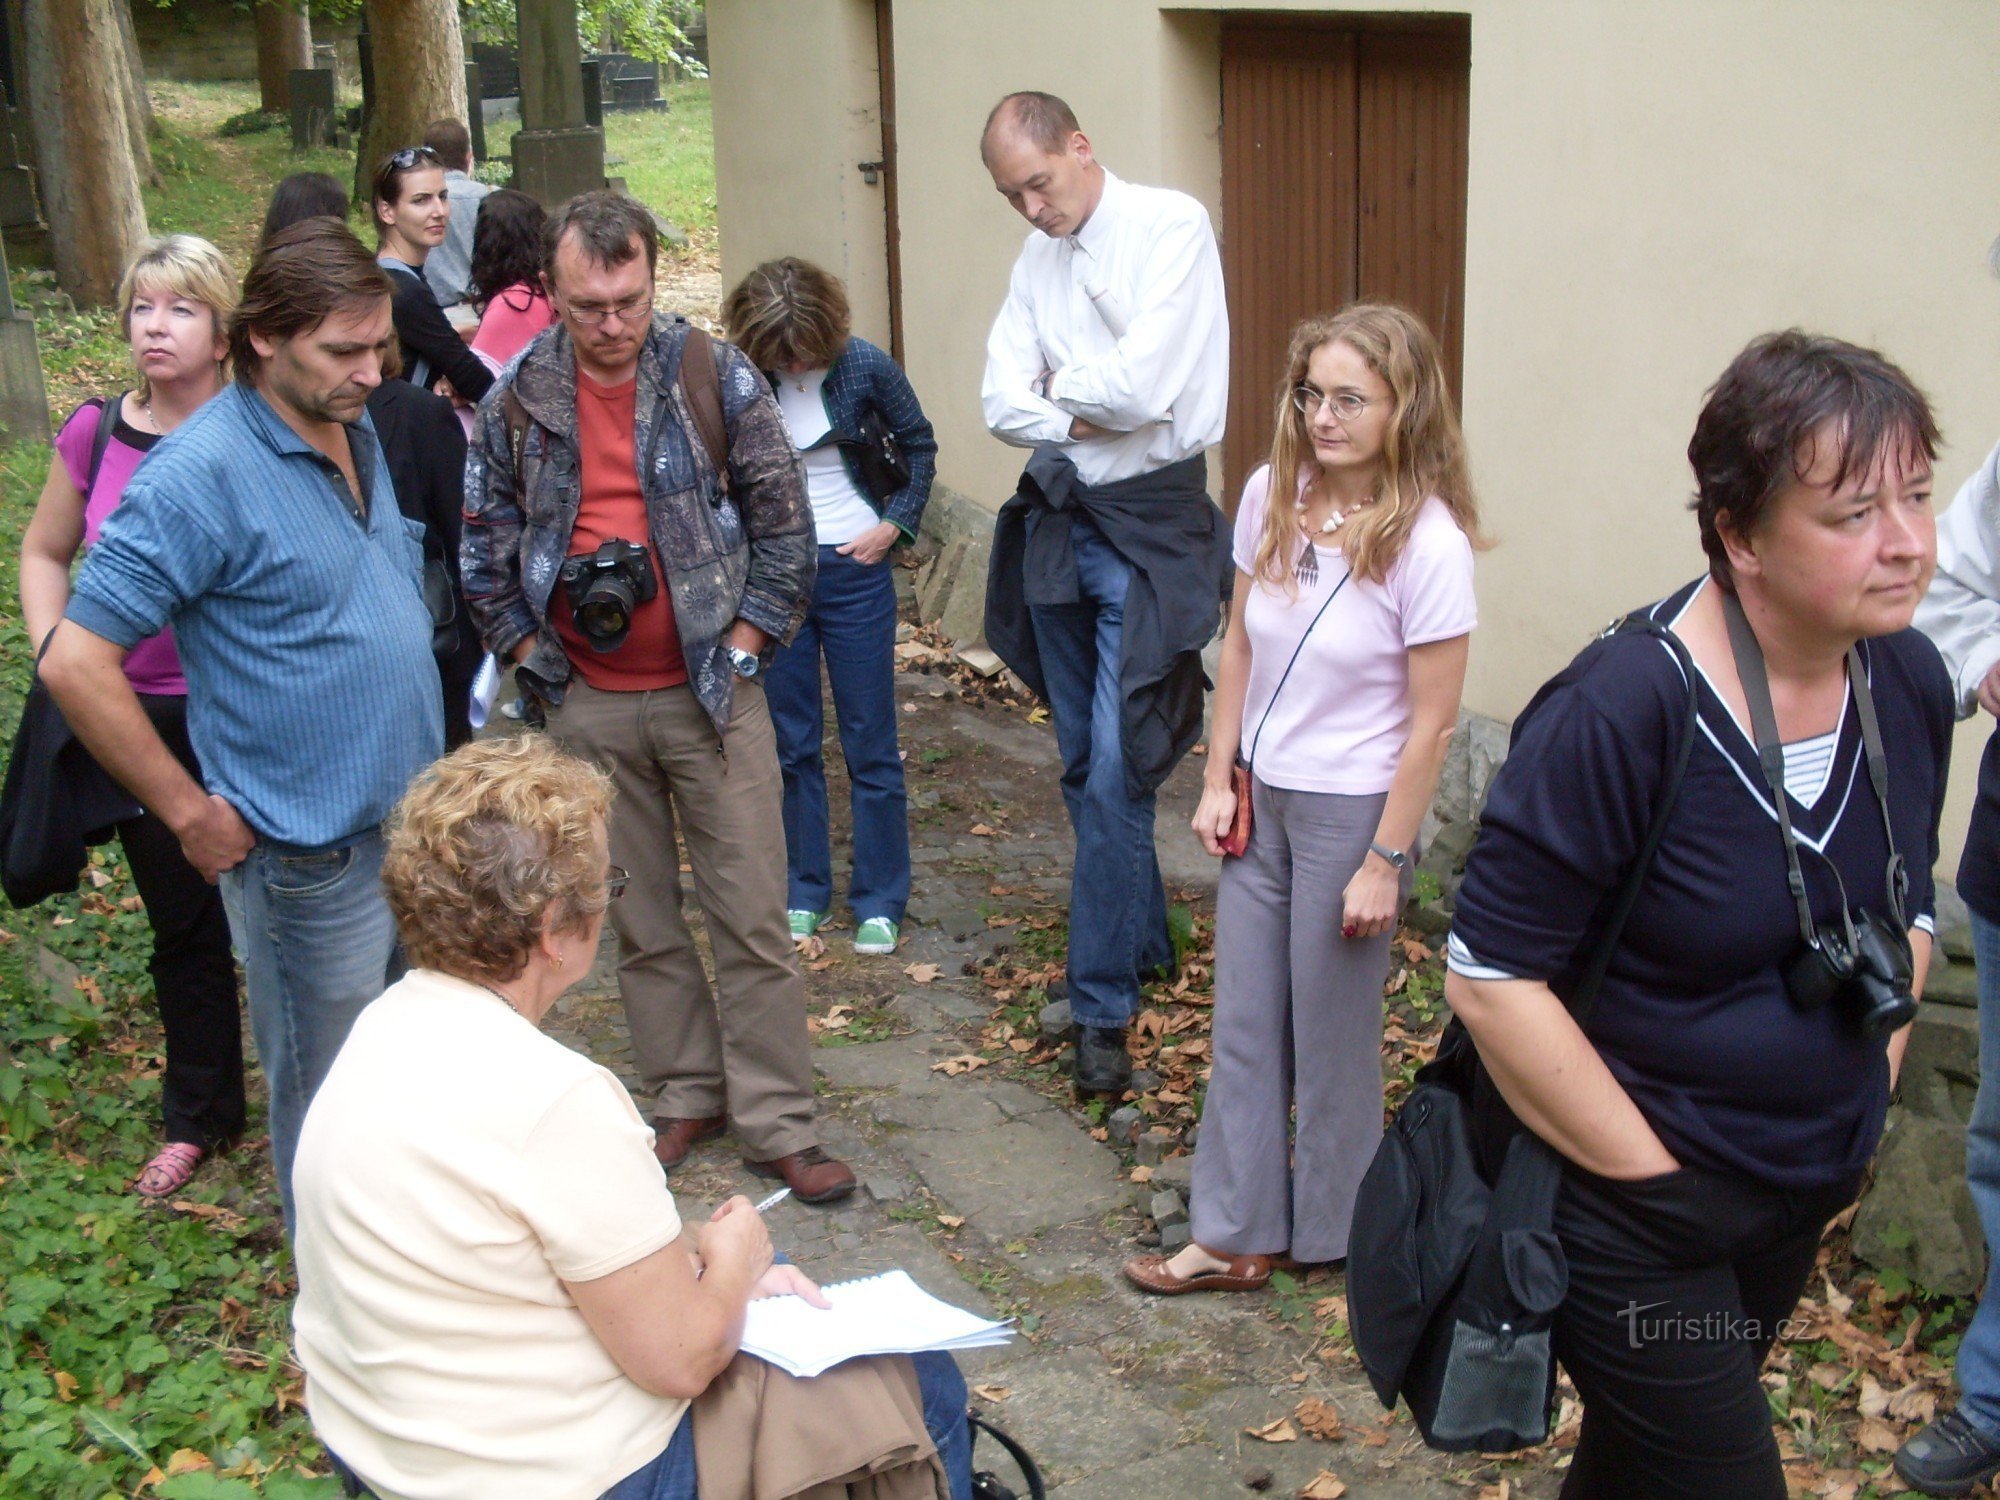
x=169, y=1171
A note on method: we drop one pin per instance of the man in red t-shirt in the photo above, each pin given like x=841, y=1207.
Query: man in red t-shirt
x=639, y=590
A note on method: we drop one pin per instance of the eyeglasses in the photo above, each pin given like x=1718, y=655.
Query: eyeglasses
x=615, y=881
x=625, y=312
x=1346, y=404
x=409, y=156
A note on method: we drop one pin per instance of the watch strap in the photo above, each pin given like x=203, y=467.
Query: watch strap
x=1396, y=857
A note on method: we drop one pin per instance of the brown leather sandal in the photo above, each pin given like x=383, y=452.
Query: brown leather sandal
x=1149, y=1273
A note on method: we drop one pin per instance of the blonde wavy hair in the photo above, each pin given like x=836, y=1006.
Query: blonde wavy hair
x=1423, y=452
x=485, y=845
x=786, y=311
x=179, y=265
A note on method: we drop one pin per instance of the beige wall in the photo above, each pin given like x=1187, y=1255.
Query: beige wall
x=1649, y=187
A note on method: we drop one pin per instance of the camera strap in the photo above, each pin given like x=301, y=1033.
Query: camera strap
x=1771, y=756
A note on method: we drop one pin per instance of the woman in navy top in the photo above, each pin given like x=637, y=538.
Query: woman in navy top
x=1711, y=1123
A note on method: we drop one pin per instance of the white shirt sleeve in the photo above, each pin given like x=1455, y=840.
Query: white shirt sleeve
x=1014, y=362
x=1961, y=613
x=1142, y=376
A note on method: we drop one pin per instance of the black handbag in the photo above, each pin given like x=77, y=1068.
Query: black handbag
x=1454, y=1275
x=55, y=802
x=884, y=470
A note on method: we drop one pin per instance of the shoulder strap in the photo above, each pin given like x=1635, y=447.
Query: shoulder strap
x=1250, y=758
x=703, y=388
x=100, y=441
x=517, y=425
x=1584, y=996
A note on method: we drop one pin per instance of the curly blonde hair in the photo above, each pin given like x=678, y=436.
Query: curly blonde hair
x=1423, y=452
x=485, y=845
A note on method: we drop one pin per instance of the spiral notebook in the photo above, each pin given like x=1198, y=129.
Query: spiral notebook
x=885, y=1314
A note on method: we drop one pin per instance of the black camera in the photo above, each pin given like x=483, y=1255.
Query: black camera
x=1863, y=968
x=605, y=587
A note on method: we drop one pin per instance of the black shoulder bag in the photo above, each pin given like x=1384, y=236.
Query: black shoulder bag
x=1453, y=1280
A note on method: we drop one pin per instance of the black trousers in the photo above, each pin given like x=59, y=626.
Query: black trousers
x=193, y=971
x=1678, y=1285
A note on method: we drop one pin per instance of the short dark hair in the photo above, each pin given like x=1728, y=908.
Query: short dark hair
x=506, y=243
x=606, y=221
x=387, y=184
x=1042, y=118
x=452, y=142
x=303, y=275
x=303, y=195
x=1759, y=427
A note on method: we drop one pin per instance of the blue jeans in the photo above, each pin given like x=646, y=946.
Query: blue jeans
x=672, y=1476
x=317, y=944
x=852, y=623
x=1118, y=907
x=1979, y=1352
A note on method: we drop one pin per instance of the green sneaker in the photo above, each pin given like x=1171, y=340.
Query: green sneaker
x=804, y=923
x=876, y=935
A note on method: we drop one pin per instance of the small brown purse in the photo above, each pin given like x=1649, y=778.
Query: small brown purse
x=1237, y=840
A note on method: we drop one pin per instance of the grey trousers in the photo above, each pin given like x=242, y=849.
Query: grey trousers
x=1298, y=1021
x=744, y=1051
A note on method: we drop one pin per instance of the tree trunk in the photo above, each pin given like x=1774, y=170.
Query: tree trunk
x=419, y=57
x=138, y=103
x=83, y=142
x=284, y=42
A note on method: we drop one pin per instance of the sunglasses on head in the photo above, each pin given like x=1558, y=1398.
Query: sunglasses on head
x=409, y=156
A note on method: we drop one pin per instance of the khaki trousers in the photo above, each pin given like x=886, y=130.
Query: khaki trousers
x=744, y=1052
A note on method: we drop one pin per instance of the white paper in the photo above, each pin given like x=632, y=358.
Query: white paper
x=886, y=1314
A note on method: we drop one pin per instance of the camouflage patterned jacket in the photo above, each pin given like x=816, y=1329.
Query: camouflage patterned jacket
x=745, y=553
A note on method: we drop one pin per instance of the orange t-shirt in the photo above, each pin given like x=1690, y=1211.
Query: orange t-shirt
x=614, y=505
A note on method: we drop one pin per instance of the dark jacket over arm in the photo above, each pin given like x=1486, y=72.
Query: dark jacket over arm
x=425, y=333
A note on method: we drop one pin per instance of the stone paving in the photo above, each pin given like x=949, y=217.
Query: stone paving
x=995, y=1196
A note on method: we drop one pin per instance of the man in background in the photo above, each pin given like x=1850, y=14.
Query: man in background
x=449, y=267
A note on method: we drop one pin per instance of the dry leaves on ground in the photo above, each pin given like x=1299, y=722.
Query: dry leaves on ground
x=1278, y=1430
x=1320, y=1419
x=1325, y=1485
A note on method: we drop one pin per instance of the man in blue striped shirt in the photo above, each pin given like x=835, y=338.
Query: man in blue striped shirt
x=264, y=530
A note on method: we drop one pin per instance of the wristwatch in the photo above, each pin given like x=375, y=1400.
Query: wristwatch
x=1396, y=857
x=745, y=662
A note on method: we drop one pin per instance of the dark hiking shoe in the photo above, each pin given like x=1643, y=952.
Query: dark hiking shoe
x=1102, y=1065
x=1949, y=1457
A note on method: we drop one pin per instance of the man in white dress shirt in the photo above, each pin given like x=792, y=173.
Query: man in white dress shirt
x=1110, y=358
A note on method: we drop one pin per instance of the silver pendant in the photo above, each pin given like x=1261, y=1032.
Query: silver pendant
x=1306, y=570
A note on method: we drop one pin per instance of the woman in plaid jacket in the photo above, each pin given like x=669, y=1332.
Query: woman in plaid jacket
x=869, y=456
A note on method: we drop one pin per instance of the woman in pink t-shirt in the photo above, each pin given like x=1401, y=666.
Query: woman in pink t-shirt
x=507, y=276
x=1339, y=688
x=173, y=304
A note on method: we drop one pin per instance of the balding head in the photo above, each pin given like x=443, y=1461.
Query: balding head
x=1041, y=163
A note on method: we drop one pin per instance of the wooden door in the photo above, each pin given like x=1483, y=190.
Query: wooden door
x=1343, y=176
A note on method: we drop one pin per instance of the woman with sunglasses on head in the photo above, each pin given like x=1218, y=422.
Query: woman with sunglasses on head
x=1729, y=1087
x=1338, y=692
x=408, y=200
x=174, y=304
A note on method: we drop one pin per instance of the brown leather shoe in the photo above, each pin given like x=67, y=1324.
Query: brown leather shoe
x=812, y=1175
x=673, y=1139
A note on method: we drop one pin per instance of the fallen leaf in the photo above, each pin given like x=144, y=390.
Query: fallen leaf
x=66, y=1385
x=981, y=831
x=1836, y=1299
x=1142, y=1174
x=1876, y=1436
x=215, y=1213
x=922, y=973
x=1915, y=1402
x=1501, y=1491
x=1874, y=1400
x=966, y=1062
x=1021, y=1044
x=1320, y=1419
x=811, y=946
x=1829, y=1376
x=991, y=1392
x=952, y=1221
x=1396, y=982
x=1038, y=715
x=1325, y=1485
x=187, y=1461
x=1279, y=1430
x=98, y=879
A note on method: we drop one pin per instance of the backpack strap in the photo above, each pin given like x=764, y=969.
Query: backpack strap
x=100, y=441
x=703, y=388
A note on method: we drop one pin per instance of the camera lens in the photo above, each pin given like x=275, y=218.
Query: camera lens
x=605, y=612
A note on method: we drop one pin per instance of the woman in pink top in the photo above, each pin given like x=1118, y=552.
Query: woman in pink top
x=507, y=276
x=1338, y=690
x=173, y=303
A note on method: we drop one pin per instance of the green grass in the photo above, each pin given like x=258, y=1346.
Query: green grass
x=667, y=157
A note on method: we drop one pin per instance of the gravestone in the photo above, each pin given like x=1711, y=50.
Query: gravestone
x=475, y=117
x=499, y=71
x=314, y=115
x=593, y=93
x=24, y=396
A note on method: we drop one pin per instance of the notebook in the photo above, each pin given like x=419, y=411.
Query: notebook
x=885, y=1314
